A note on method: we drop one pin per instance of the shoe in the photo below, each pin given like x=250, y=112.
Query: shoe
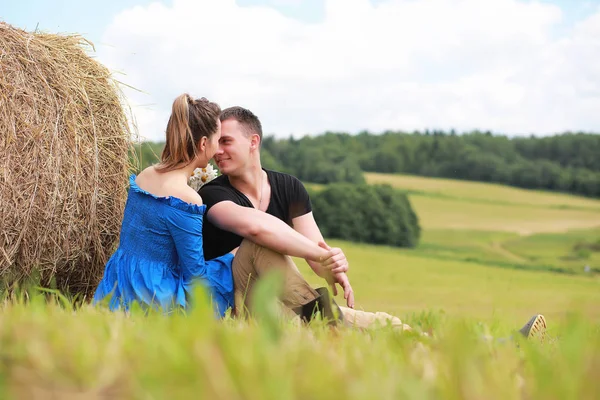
x=334, y=312
x=325, y=305
x=536, y=327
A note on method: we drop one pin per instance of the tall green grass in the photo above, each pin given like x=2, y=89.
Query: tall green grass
x=50, y=350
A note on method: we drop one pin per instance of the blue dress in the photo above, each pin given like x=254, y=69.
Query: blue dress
x=160, y=256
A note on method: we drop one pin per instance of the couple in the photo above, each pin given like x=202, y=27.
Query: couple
x=235, y=229
x=238, y=227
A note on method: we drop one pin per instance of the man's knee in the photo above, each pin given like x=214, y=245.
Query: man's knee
x=247, y=247
x=264, y=258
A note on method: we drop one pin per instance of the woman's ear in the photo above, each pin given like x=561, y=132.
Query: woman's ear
x=202, y=144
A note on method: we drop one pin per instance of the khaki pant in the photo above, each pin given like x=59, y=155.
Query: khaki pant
x=253, y=261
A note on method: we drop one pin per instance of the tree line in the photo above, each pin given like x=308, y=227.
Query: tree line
x=568, y=162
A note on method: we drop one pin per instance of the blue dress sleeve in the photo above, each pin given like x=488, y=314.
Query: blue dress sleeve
x=186, y=230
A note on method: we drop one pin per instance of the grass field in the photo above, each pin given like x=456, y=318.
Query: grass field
x=503, y=226
x=489, y=258
x=406, y=282
x=484, y=192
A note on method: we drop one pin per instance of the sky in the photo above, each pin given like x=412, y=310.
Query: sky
x=514, y=67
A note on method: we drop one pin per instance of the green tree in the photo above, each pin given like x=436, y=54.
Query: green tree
x=362, y=213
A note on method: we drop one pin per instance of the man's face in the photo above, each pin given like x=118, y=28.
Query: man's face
x=234, y=148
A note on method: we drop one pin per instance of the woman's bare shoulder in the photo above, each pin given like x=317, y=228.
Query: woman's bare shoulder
x=161, y=185
x=189, y=195
x=149, y=174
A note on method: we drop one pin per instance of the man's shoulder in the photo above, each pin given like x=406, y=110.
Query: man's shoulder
x=219, y=183
x=282, y=177
x=218, y=190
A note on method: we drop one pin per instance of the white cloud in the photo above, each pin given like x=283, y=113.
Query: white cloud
x=403, y=64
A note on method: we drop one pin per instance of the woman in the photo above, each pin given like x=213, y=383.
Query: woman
x=160, y=254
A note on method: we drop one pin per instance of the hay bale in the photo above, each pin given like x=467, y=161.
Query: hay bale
x=64, y=142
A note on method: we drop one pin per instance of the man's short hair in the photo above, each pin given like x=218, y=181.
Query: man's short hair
x=244, y=117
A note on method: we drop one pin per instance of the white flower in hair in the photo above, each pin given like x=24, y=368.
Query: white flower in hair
x=202, y=176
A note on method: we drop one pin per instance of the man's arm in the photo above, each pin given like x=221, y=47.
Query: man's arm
x=266, y=230
x=334, y=269
x=307, y=226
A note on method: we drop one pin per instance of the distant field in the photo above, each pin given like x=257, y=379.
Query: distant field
x=467, y=214
x=502, y=226
x=460, y=205
x=484, y=192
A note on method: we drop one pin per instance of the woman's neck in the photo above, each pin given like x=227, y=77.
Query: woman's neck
x=183, y=174
x=189, y=169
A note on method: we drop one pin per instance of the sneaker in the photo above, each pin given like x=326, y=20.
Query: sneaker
x=331, y=309
x=536, y=327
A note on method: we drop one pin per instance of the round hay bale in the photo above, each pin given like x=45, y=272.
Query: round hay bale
x=64, y=161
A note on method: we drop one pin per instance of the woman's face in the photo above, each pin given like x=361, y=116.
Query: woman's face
x=211, y=145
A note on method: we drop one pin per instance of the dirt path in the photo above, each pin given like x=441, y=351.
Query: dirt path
x=498, y=248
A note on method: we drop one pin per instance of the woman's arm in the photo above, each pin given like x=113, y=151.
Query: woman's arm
x=186, y=230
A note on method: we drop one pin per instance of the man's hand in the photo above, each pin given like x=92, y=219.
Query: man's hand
x=342, y=280
x=336, y=262
x=333, y=269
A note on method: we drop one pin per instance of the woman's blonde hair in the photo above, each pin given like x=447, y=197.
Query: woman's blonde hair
x=190, y=121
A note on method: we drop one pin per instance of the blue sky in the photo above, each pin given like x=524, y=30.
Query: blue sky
x=90, y=18
x=525, y=67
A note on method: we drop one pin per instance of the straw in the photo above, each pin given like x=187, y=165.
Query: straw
x=64, y=142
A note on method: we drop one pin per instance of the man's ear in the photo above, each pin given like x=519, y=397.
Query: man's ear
x=255, y=141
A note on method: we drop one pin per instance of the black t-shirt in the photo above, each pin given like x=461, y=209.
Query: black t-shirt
x=289, y=199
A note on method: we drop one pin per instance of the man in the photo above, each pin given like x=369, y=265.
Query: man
x=268, y=208
x=241, y=204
